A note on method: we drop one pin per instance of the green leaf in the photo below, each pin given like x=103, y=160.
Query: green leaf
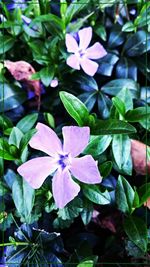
x=104, y=105
x=5, y=150
x=128, y=27
x=127, y=98
x=46, y=75
x=87, y=263
x=23, y=199
x=63, y=8
x=143, y=19
x=105, y=168
x=15, y=137
x=5, y=122
x=75, y=108
x=74, y=8
x=111, y=126
x=136, y=230
x=97, y=144
x=26, y=138
x=27, y=122
x=121, y=146
x=138, y=114
x=94, y=194
x=49, y=119
x=11, y=97
x=67, y=215
x=48, y=18
x=116, y=37
x=6, y=222
x=115, y=86
x=6, y=42
x=3, y=189
x=144, y=193
x=86, y=213
x=119, y=104
x=137, y=44
x=124, y=195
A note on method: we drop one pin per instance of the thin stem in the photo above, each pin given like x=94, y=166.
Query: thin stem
x=14, y=244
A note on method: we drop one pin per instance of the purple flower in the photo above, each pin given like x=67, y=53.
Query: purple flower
x=17, y=4
x=82, y=55
x=61, y=160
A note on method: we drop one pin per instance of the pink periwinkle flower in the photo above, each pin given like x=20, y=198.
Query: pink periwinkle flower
x=61, y=161
x=82, y=55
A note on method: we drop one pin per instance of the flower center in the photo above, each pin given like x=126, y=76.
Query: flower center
x=64, y=161
x=81, y=53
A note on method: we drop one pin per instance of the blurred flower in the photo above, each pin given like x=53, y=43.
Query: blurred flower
x=17, y=4
x=82, y=55
x=54, y=82
x=62, y=159
x=2, y=18
x=26, y=20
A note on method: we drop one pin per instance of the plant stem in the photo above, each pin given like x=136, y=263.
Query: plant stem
x=14, y=244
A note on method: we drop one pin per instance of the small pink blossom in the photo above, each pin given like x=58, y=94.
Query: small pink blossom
x=61, y=161
x=82, y=55
x=54, y=82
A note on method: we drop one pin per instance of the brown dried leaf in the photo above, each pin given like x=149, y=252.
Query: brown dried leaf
x=138, y=154
x=22, y=71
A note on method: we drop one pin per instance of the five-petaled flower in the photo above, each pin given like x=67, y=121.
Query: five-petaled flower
x=61, y=161
x=82, y=55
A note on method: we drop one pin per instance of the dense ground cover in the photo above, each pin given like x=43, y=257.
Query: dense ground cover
x=74, y=125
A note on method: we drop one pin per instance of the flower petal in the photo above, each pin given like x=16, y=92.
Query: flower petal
x=35, y=171
x=85, y=169
x=64, y=188
x=90, y=67
x=96, y=51
x=73, y=62
x=71, y=43
x=85, y=36
x=46, y=140
x=75, y=139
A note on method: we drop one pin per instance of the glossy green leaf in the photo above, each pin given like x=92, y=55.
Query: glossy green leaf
x=24, y=199
x=126, y=68
x=97, y=144
x=127, y=98
x=15, y=137
x=87, y=263
x=124, y=195
x=94, y=194
x=27, y=122
x=115, y=86
x=111, y=126
x=144, y=193
x=26, y=138
x=138, y=114
x=74, y=8
x=116, y=37
x=11, y=97
x=121, y=146
x=105, y=168
x=104, y=105
x=75, y=108
x=120, y=106
x=137, y=44
x=6, y=43
x=46, y=75
x=136, y=231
